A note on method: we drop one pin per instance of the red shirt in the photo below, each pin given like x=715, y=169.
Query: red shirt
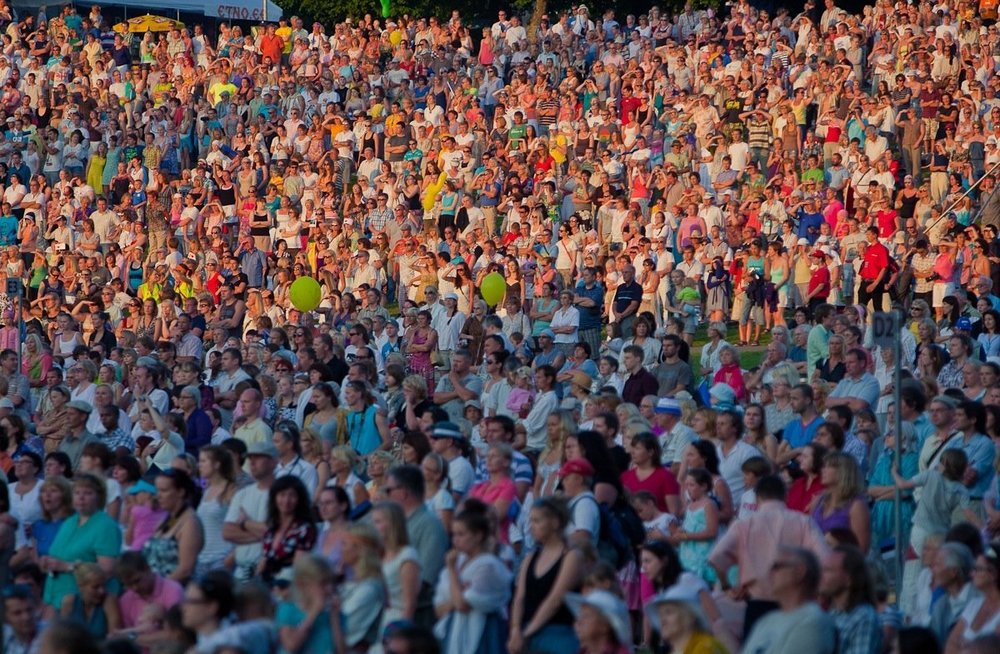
x=820, y=279
x=660, y=484
x=801, y=493
x=876, y=260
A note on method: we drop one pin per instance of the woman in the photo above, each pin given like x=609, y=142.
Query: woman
x=757, y=434
x=363, y=593
x=882, y=488
x=696, y=535
x=602, y=623
x=499, y=490
x=539, y=620
x=311, y=622
x=208, y=601
x=643, y=337
x=607, y=479
x=730, y=372
x=400, y=564
x=678, y=618
x=843, y=505
x=647, y=474
x=379, y=463
x=703, y=454
x=93, y=607
x=473, y=591
x=36, y=363
x=343, y=462
x=88, y=536
x=989, y=339
x=173, y=550
x=438, y=496
x=290, y=530
x=834, y=367
x=334, y=507
x=560, y=425
x=217, y=469
x=710, y=352
x=981, y=616
x=312, y=453
x=543, y=307
x=367, y=429
x=420, y=341
x=328, y=419
x=24, y=493
x=53, y=423
x=807, y=486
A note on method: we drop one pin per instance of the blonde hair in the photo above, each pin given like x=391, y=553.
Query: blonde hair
x=396, y=537
x=310, y=567
x=85, y=572
x=369, y=550
x=345, y=454
x=415, y=383
x=849, y=484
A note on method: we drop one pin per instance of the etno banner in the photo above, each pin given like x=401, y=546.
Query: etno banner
x=245, y=10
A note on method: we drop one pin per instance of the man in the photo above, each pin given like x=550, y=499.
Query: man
x=817, y=346
x=675, y=435
x=874, y=272
x=500, y=429
x=970, y=422
x=458, y=386
x=639, y=382
x=546, y=401
x=846, y=585
x=951, y=570
x=589, y=299
x=405, y=486
x=626, y=302
x=250, y=427
x=246, y=519
x=941, y=412
x=77, y=436
x=733, y=451
x=799, y=433
x=18, y=386
x=449, y=441
x=143, y=589
x=584, y=525
x=858, y=389
x=800, y=625
x=672, y=374
x=21, y=620
x=448, y=328
x=189, y=346
x=232, y=372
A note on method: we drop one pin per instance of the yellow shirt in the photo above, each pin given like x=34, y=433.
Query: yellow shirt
x=286, y=35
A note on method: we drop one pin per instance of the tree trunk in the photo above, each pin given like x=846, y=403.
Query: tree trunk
x=536, y=18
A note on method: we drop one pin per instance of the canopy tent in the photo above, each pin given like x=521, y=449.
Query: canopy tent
x=250, y=10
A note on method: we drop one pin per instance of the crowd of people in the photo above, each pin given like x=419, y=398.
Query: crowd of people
x=600, y=462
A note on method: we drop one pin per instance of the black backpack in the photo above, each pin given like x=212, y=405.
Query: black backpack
x=621, y=533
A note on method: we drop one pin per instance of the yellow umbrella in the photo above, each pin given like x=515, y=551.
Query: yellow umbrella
x=148, y=23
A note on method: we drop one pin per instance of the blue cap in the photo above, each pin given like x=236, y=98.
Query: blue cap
x=142, y=486
x=447, y=429
x=964, y=324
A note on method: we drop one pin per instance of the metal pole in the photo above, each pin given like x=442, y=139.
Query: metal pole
x=897, y=421
x=20, y=329
x=962, y=197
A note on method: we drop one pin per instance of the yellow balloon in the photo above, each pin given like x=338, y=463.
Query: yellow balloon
x=305, y=293
x=493, y=288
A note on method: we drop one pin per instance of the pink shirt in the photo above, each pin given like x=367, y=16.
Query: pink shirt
x=166, y=593
x=490, y=493
x=753, y=544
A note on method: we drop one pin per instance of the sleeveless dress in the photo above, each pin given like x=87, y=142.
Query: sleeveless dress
x=212, y=513
x=420, y=362
x=393, y=611
x=557, y=636
x=694, y=554
x=163, y=554
x=96, y=625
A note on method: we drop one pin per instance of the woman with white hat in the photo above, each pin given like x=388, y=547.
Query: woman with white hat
x=602, y=622
x=677, y=615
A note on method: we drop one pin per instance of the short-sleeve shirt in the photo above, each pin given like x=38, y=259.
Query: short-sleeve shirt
x=252, y=501
x=320, y=637
x=98, y=536
x=660, y=484
x=584, y=515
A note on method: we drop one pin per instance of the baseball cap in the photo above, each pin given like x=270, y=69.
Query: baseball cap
x=668, y=405
x=577, y=467
x=263, y=448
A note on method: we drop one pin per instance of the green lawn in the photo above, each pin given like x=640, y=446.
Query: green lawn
x=750, y=356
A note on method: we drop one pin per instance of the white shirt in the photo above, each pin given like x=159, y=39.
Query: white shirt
x=251, y=502
x=299, y=467
x=568, y=317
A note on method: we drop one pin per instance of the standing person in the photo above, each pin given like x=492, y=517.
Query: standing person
x=217, y=470
x=753, y=546
x=847, y=585
x=473, y=592
x=799, y=625
x=290, y=528
x=311, y=622
x=400, y=564
x=246, y=519
x=875, y=272
x=173, y=549
x=625, y=304
x=540, y=621
x=588, y=297
x=843, y=504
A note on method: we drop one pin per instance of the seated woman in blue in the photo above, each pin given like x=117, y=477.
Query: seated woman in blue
x=88, y=536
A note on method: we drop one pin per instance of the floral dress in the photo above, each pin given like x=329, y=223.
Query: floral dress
x=280, y=554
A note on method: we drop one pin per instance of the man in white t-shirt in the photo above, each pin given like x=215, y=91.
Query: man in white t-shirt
x=246, y=519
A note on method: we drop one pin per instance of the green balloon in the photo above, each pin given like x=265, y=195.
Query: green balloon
x=305, y=294
x=493, y=288
x=386, y=8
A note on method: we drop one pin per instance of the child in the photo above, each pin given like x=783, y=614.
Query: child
x=753, y=469
x=144, y=516
x=656, y=522
x=688, y=302
x=943, y=493
x=522, y=395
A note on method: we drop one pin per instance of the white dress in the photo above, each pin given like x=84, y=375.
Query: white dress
x=393, y=611
x=486, y=581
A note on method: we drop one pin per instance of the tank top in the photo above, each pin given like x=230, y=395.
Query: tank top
x=538, y=588
x=839, y=519
x=212, y=513
x=362, y=431
x=96, y=625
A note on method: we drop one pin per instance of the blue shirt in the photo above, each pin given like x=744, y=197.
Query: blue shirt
x=8, y=230
x=981, y=452
x=254, y=264
x=864, y=388
x=809, y=225
x=798, y=435
x=590, y=317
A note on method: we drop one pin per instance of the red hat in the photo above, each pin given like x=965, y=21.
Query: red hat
x=576, y=467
